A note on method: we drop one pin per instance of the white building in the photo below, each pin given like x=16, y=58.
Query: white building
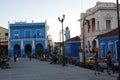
x=97, y=20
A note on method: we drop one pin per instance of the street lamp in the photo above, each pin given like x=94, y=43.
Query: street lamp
x=60, y=42
x=118, y=37
x=61, y=20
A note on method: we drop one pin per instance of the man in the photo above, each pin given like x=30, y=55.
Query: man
x=109, y=62
x=97, y=71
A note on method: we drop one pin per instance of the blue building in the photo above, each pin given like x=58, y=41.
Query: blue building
x=27, y=38
x=108, y=42
x=72, y=46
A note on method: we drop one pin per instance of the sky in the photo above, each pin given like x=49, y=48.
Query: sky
x=49, y=10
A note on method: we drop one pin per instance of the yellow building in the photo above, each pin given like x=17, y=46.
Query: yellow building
x=4, y=40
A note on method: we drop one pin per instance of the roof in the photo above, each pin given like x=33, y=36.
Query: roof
x=111, y=33
x=22, y=24
x=3, y=28
x=74, y=39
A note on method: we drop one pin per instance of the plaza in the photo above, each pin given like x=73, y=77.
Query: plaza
x=24, y=69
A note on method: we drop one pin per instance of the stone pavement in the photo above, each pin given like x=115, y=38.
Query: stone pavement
x=24, y=69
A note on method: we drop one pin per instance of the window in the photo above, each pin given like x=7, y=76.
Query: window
x=98, y=25
x=39, y=33
x=88, y=23
x=16, y=34
x=27, y=34
x=108, y=24
x=93, y=25
x=6, y=36
x=103, y=50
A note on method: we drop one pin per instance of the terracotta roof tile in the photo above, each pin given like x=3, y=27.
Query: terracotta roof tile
x=109, y=34
x=77, y=38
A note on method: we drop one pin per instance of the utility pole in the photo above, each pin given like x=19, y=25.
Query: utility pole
x=118, y=19
x=61, y=20
x=84, y=44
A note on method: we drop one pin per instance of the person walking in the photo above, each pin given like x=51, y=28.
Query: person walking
x=15, y=57
x=109, y=62
x=30, y=56
x=97, y=70
x=54, y=58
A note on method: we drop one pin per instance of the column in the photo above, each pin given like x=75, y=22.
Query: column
x=22, y=48
x=33, y=46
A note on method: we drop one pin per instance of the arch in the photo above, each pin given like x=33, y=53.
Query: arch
x=17, y=50
x=39, y=49
x=94, y=45
x=28, y=49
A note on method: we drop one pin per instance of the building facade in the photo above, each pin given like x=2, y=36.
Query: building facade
x=97, y=20
x=72, y=46
x=27, y=38
x=3, y=41
x=108, y=42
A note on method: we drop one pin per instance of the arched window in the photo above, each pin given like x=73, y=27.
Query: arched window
x=108, y=21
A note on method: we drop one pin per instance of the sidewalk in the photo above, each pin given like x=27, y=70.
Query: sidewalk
x=24, y=69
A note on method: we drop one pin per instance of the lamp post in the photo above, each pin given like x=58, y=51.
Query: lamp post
x=61, y=20
x=118, y=37
x=60, y=42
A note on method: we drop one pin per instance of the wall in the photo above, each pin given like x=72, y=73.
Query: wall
x=106, y=42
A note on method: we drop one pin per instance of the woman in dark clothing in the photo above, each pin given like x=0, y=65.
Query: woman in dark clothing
x=15, y=57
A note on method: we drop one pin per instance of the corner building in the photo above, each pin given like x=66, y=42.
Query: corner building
x=27, y=38
x=97, y=20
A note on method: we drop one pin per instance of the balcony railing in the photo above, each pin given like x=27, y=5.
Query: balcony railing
x=34, y=37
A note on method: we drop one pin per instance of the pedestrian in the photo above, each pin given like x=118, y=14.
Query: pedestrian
x=109, y=62
x=30, y=56
x=42, y=57
x=54, y=58
x=15, y=57
x=97, y=70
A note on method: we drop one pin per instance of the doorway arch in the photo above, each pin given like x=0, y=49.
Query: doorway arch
x=39, y=49
x=94, y=44
x=28, y=49
x=17, y=50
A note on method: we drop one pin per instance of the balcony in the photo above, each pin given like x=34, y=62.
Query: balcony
x=28, y=37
